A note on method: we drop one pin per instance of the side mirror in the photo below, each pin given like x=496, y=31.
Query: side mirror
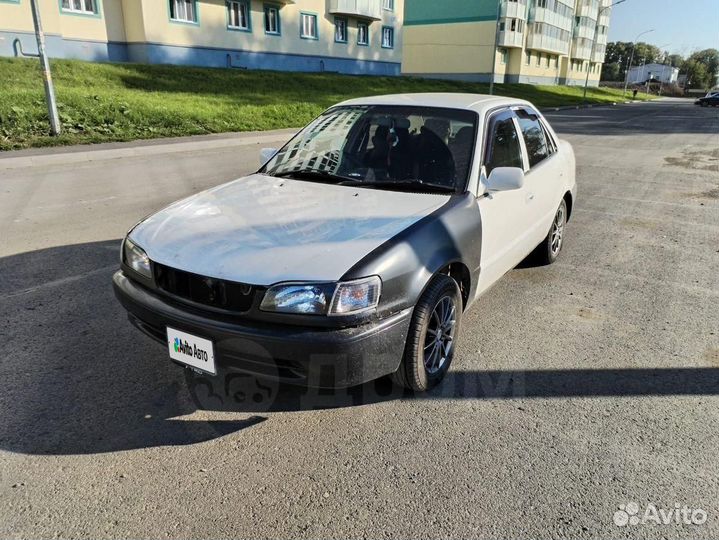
x=505, y=179
x=267, y=154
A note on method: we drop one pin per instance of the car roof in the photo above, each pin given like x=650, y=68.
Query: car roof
x=474, y=102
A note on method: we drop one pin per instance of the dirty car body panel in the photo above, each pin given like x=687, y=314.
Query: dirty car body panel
x=360, y=237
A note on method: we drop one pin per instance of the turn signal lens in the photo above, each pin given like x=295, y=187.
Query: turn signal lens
x=356, y=296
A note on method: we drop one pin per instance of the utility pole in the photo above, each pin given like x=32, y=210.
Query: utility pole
x=46, y=75
x=494, y=51
x=631, y=59
x=594, y=43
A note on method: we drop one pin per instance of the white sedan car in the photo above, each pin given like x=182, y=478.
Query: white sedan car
x=353, y=251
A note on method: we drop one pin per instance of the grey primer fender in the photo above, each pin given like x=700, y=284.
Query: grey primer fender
x=452, y=234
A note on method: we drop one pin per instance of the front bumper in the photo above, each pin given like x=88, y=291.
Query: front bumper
x=318, y=357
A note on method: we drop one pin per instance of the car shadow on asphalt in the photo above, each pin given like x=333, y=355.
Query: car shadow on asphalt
x=77, y=377
x=485, y=385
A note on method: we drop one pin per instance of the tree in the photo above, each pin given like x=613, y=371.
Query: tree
x=647, y=54
x=616, y=62
x=675, y=60
x=612, y=72
x=709, y=58
x=697, y=74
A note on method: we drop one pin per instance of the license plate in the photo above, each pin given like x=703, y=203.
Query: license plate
x=191, y=350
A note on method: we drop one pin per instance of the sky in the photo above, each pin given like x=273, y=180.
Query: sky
x=680, y=26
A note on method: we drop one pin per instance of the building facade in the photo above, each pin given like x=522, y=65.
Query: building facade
x=537, y=41
x=655, y=72
x=346, y=36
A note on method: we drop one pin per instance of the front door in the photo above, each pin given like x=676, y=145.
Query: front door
x=505, y=219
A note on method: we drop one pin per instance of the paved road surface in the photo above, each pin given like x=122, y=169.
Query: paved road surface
x=577, y=388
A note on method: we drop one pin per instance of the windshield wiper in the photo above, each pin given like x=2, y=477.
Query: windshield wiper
x=314, y=174
x=411, y=185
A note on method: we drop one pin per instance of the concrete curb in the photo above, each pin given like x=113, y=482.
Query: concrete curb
x=84, y=153
x=64, y=156
x=590, y=106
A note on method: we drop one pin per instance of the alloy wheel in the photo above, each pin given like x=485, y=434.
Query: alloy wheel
x=440, y=335
x=557, y=231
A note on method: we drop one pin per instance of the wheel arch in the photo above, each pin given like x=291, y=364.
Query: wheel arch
x=459, y=272
x=570, y=203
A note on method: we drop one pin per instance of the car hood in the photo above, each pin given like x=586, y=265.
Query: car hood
x=263, y=230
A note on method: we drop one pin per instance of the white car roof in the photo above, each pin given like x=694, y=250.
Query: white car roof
x=474, y=102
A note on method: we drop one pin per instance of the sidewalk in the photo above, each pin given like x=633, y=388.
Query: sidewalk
x=96, y=152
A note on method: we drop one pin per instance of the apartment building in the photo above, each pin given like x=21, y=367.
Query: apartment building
x=537, y=41
x=346, y=36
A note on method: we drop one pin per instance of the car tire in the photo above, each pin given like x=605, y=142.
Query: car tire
x=548, y=251
x=432, y=336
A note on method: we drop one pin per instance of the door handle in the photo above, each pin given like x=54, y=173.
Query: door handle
x=530, y=197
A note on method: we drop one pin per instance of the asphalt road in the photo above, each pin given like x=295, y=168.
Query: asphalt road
x=577, y=388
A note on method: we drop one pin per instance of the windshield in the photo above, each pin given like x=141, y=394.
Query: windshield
x=385, y=147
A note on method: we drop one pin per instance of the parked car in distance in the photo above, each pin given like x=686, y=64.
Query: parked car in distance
x=710, y=100
x=354, y=250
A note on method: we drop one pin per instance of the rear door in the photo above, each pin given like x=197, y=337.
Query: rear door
x=544, y=178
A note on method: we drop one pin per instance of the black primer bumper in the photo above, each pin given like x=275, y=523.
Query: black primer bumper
x=318, y=357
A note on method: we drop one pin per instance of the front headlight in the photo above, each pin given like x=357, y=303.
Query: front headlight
x=323, y=298
x=136, y=258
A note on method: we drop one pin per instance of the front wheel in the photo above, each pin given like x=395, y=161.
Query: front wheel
x=432, y=336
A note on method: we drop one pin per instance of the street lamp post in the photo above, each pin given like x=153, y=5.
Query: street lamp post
x=664, y=67
x=594, y=43
x=494, y=51
x=46, y=76
x=631, y=59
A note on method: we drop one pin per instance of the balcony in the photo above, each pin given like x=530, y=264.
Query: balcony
x=508, y=38
x=514, y=10
x=584, y=32
x=542, y=15
x=362, y=9
x=599, y=54
x=581, y=52
x=539, y=42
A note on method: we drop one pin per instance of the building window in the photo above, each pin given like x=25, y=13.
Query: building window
x=528, y=57
x=238, y=15
x=362, y=34
x=387, y=37
x=183, y=11
x=272, y=20
x=85, y=7
x=556, y=61
x=388, y=5
x=340, y=30
x=549, y=59
x=539, y=60
x=308, y=26
x=503, y=55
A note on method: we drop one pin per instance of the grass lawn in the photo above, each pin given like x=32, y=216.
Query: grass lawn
x=121, y=102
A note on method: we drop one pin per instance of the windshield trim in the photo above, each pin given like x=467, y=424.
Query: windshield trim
x=461, y=187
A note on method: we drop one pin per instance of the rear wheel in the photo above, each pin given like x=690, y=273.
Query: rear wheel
x=432, y=336
x=548, y=251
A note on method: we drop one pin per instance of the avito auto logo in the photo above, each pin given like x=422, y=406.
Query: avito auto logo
x=190, y=350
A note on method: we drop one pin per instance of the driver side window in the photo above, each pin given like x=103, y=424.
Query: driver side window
x=503, y=146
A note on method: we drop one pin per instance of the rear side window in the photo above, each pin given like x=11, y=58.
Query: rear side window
x=535, y=138
x=503, y=146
